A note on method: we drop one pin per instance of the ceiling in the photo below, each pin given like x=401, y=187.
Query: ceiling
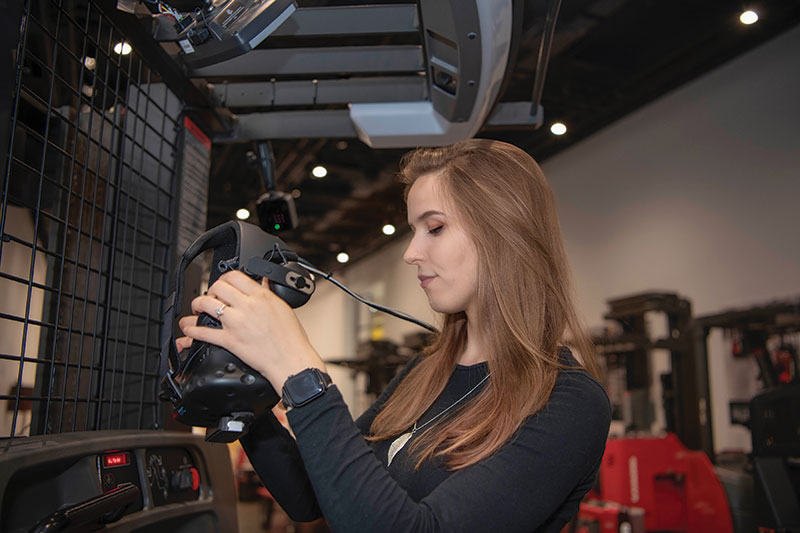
x=608, y=58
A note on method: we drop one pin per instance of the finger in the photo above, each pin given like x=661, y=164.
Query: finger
x=241, y=281
x=186, y=322
x=206, y=334
x=182, y=343
x=226, y=293
x=188, y=325
x=208, y=304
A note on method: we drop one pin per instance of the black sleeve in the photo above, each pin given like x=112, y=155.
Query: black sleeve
x=275, y=458
x=518, y=488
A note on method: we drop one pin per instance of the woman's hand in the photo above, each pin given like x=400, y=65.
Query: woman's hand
x=181, y=343
x=257, y=326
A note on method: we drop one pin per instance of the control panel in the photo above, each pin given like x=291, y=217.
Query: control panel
x=115, y=481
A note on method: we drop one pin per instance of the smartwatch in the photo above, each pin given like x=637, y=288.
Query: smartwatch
x=301, y=388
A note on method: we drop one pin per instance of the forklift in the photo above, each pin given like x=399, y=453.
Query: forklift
x=660, y=471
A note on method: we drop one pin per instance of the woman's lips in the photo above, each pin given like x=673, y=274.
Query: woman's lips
x=424, y=280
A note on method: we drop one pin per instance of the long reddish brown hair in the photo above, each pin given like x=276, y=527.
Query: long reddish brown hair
x=505, y=203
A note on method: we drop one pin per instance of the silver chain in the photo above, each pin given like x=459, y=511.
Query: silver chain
x=414, y=430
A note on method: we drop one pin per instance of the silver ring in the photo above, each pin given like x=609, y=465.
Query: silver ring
x=221, y=310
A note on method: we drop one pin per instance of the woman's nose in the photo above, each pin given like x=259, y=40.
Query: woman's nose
x=411, y=254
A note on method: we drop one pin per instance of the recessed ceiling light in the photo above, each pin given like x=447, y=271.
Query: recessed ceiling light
x=388, y=229
x=296, y=193
x=89, y=62
x=748, y=17
x=342, y=257
x=243, y=214
x=558, y=129
x=122, y=48
x=319, y=171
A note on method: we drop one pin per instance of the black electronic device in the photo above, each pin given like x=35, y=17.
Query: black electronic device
x=299, y=389
x=209, y=386
x=225, y=29
x=276, y=211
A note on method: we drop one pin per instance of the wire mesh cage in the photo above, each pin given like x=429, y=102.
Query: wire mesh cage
x=87, y=226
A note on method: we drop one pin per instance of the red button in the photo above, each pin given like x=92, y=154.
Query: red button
x=195, y=478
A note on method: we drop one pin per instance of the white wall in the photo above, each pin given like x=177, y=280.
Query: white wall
x=697, y=192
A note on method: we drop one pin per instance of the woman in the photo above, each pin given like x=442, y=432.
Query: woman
x=497, y=426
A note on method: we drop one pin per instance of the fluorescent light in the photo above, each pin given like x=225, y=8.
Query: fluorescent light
x=122, y=48
x=388, y=229
x=748, y=17
x=319, y=171
x=558, y=129
x=243, y=214
x=342, y=257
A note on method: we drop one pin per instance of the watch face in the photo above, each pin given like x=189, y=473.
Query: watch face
x=303, y=387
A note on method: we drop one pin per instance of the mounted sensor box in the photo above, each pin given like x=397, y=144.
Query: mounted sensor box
x=229, y=28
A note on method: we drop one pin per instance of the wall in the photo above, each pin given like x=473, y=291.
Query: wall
x=695, y=193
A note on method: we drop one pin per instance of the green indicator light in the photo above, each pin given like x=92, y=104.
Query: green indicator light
x=277, y=226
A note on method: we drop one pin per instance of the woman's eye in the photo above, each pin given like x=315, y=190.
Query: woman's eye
x=435, y=230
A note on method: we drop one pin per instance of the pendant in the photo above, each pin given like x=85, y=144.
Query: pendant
x=397, y=445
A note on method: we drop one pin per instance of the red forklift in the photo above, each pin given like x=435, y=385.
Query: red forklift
x=660, y=471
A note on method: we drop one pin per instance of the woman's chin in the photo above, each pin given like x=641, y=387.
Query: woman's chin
x=442, y=307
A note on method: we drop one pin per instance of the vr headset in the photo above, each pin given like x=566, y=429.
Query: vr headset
x=208, y=385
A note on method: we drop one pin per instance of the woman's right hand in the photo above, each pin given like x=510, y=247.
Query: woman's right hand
x=183, y=343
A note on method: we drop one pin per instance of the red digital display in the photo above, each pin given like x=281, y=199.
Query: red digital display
x=116, y=459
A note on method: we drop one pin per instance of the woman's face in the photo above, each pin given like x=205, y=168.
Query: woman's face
x=444, y=254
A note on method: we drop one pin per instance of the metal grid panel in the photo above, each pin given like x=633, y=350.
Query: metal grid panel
x=86, y=223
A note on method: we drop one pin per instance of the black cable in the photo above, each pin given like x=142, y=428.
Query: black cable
x=393, y=312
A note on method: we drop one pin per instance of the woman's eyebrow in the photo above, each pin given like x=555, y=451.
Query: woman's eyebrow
x=428, y=213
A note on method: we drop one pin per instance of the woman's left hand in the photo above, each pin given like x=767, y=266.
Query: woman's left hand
x=257, y=326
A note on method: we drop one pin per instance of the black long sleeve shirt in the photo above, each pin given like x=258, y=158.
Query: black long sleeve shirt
x=533, y=483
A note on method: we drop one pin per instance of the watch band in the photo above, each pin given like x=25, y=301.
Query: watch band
x=303, y=387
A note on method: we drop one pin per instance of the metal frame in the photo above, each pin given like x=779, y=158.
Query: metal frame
x=445, y=86
x=320, y=92
x=351, y=20
x=91, y=159
x=318, y=61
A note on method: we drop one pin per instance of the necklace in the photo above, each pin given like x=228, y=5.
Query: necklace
x=398, y=443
